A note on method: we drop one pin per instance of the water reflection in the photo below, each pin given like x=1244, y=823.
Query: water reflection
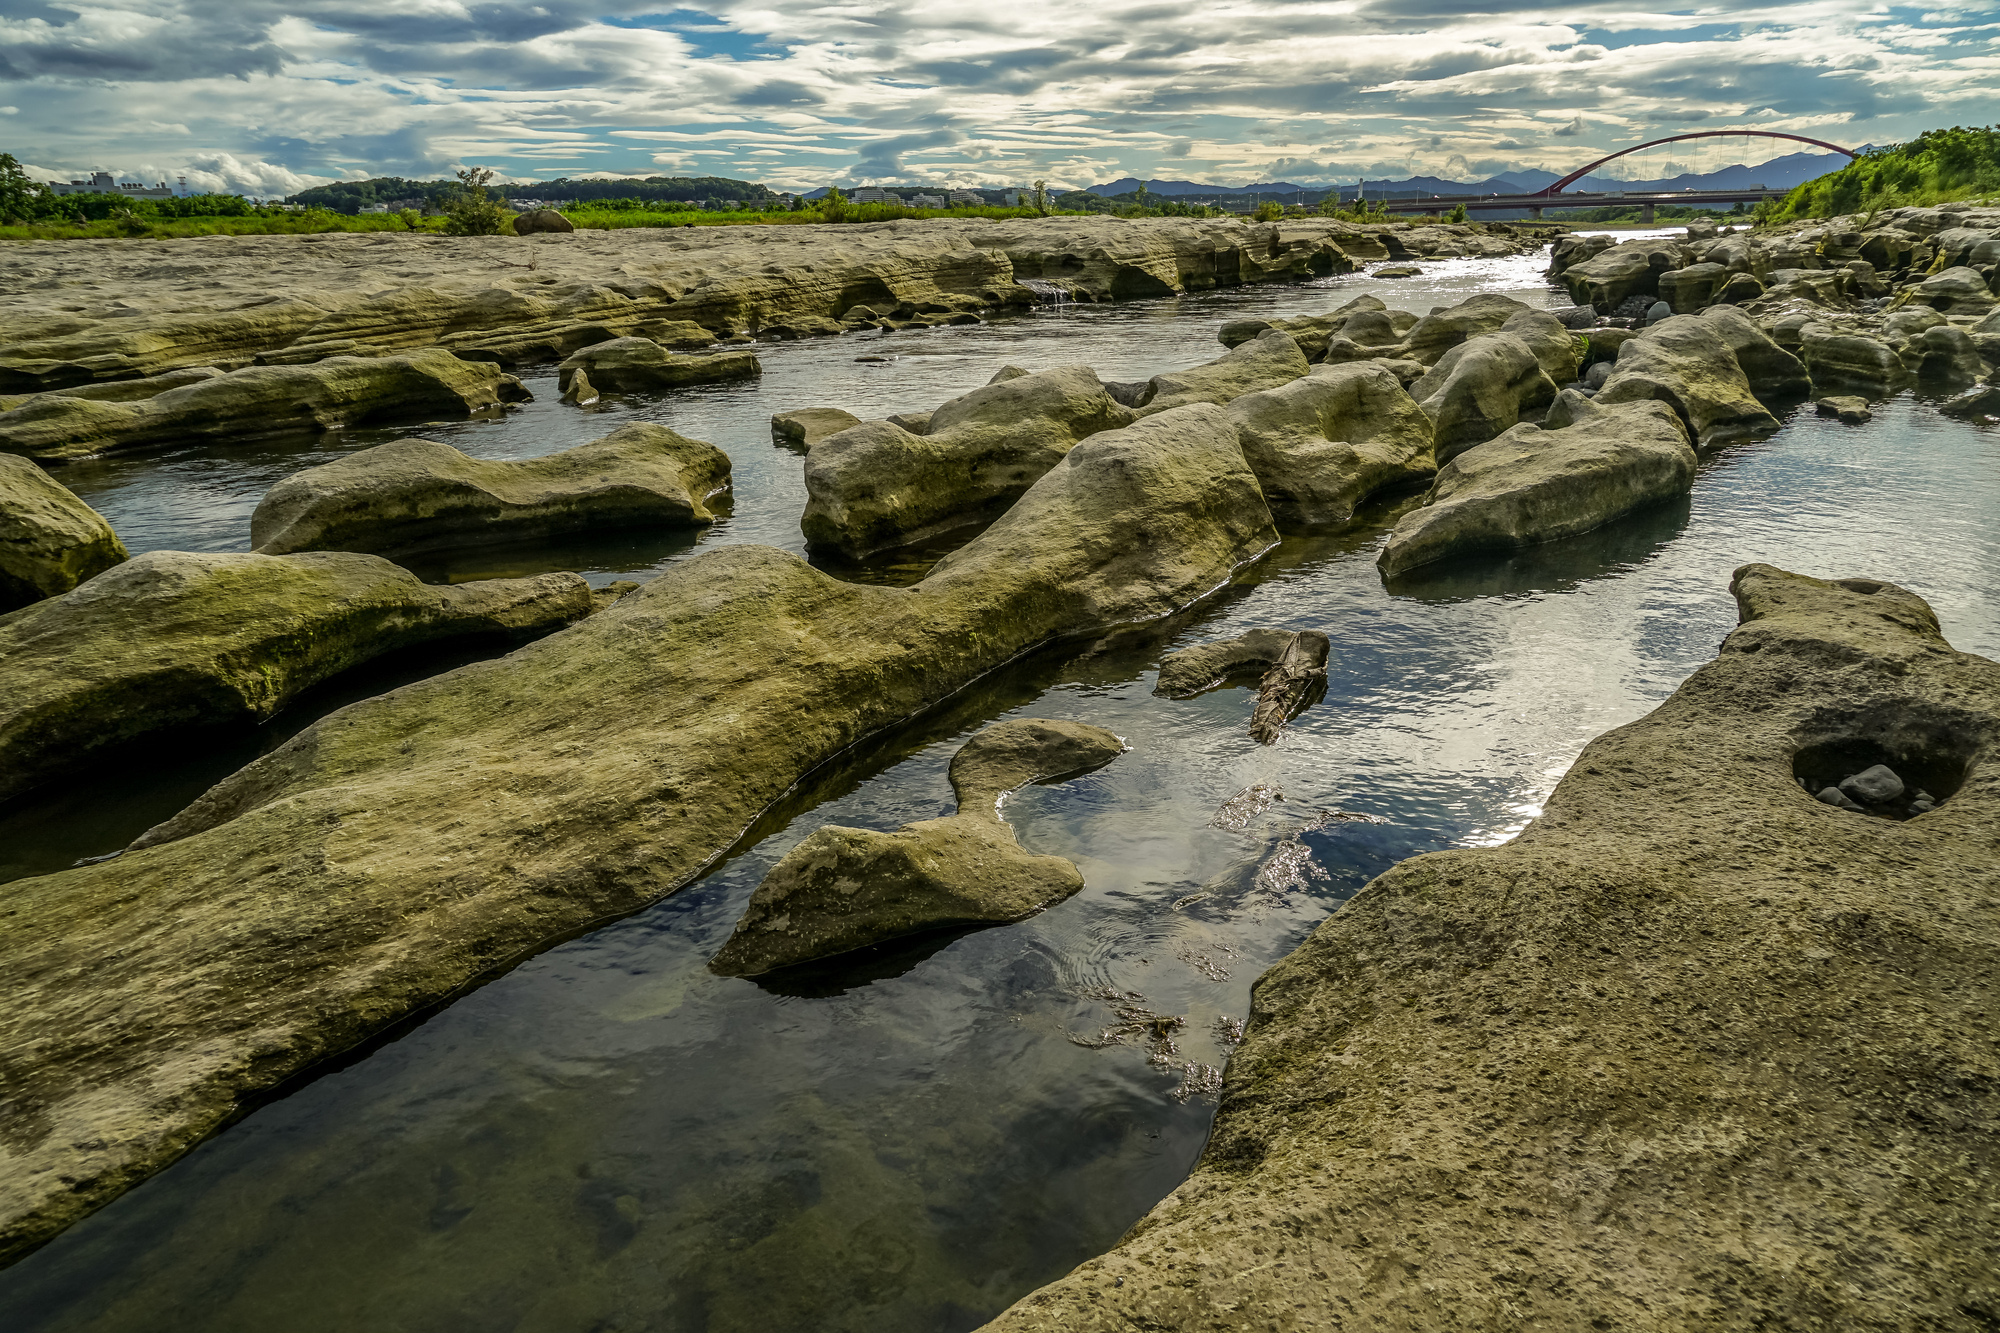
x=609, y=1136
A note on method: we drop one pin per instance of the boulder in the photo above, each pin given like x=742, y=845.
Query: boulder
x=640, y=365
x=261, y=401
x=1312, y=332
x=1944, y=352
x=843, y=889
x=1554, y=346
x=173, y=639
x=1479, y=389
x=1328, y=440
x=1441, y=330
x=1609, y=1074
x=416, y=496
x=579, y=390
x=1980, y=404
x=804, y=427
x=1685, y=361
x=1850, y=409
x=1266, y=361
x=879, y=485
x=542, y=220
x=1956, y=291
x=50, y=541
x=1607, y=280
x=1569, y=250
x=1849, y=358
x=1740, y=289
x=1772, y=371
x=1532, y=485
x=393, y=852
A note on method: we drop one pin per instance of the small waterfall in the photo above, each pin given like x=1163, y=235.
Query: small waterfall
x=1051, y=293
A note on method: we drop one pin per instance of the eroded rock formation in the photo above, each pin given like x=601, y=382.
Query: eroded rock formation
x=1695, y=1050
x=843, y=889
x=419, y=495
x=640, y=365
x=50, y=541
x=1326, y=441
x=397, y=849
x=173, y=639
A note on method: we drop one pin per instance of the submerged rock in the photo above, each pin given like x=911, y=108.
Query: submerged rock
x=262, y=400
x=843, y=889
x=1532, y=485
x=1189, y=671
x=1626, y=1042
x=639, y=365
x=394, y=851
x=419, y=495
x=804, y=427
x=880, y=485
x=173, y=639
x=1325, y=442
x=50, y=541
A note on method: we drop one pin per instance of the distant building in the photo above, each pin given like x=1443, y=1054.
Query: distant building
x=102, y=182
x=868, y=194
x=926, y=201
x=969, y=198
x=1011, y=198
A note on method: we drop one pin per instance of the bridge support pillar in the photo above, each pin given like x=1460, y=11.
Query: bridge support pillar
x=1535, y=212
x=1646, y=213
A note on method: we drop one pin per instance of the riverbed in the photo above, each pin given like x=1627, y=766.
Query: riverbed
x=610, y=1137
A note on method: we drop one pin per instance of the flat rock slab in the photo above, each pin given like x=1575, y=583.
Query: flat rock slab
x=640, y=365
x=1694, y=1051
x=804, y=427
x=50, y=541
x=1533, y=485
x=1849, y=408
x=414, y=496
x=843, y=889
x=261, y=401
x=173, y=639
x=394, y=851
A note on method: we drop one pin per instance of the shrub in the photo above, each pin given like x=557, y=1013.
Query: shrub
x=470, y=212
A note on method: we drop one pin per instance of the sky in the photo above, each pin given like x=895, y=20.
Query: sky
x=271, y=96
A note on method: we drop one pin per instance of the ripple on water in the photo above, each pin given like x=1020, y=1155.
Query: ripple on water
x=610, y=1136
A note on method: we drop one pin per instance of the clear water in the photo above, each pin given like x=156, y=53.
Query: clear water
x=610, y=1138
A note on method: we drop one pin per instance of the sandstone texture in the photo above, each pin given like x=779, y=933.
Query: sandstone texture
x=112, y=310
x=50, y=541
x=399, y=848
x=1326, y=441
x=1694, y=1051
x=1683, y=363
x=880, y=484
x=1266, y=361
x=805, y=427
x=1532, y=485
x=1480, y=388
x=843, y=889
x=419, y=495
x=640, y=365
x=261, y=401
x=171, y=639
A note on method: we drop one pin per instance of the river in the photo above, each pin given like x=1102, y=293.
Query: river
x=608, y=1137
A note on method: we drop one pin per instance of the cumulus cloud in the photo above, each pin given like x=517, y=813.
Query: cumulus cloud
x=257, y=93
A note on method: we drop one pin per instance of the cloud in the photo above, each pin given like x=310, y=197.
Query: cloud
x=950, y=91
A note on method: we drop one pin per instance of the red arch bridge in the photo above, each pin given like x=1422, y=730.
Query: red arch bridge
x=1554, y=194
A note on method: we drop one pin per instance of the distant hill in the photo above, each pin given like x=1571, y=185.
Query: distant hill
x=1777, y=173
x=352, y=196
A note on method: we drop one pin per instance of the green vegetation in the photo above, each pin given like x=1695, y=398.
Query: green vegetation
x=1935, y=167
x=350, y=197
x=469, y=212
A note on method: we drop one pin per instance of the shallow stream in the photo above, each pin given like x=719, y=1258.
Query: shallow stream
x=610, y=1138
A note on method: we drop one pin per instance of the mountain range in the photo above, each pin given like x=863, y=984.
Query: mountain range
x=1777, y=173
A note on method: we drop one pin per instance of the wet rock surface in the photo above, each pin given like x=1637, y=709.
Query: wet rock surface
x=419, y=495
x=804, y=427
x=1609, y=1074
x=1264, y=362
x=884, y=484
x=171, y=639
x=843, y=889
x=50, y=541
x=384, y=857
x=1533, y=485
x=261, y=401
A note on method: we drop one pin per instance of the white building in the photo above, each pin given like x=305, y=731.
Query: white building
x=926, y=201
x=102, y=182
x=869, y=194
x=968, y=198
x=1011, y=198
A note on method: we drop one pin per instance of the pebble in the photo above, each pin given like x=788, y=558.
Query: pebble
x=1658, y=311
x=1922, y=807
x=1877, y=786
x=1836, y=797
